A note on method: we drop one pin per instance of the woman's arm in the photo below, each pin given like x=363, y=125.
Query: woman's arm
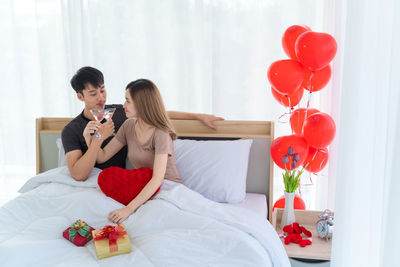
x=105, y=130
x=159, y=167
x=109, y=150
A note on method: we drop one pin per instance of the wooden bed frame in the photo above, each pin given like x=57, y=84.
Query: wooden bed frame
x=260, y=170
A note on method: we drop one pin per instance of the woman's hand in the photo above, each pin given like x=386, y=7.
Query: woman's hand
x=119, y=215
x=106, y=129
x=208, y=120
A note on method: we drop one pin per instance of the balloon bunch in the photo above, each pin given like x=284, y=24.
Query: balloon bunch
x=308, y=68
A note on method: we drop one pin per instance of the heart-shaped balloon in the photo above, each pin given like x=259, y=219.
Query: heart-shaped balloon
x=289, y=39
x=319, y=130
x=286, y=76
x=124, y=185
x=317, y=80
x=288, y=100
x=317, y=159
x=315, y=50
x=280, y=147
x=297, y=119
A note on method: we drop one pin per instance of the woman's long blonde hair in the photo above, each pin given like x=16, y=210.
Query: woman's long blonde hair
x=149, y=105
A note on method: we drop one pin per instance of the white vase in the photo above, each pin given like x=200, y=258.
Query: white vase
x=288, y=213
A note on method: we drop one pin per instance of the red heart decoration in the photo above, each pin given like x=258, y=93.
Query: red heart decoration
x=124, y=185
x=315, y=49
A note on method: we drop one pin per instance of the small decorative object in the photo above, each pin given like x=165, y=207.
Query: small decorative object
x=78, y=233
x=293, y=233
x=288, y=216
x=291, y=180
x=111, y=241
x=324, y=226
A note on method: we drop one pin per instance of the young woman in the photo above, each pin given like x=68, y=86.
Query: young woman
x=148, y=134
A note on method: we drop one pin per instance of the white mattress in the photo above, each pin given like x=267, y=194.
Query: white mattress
x=256, y=203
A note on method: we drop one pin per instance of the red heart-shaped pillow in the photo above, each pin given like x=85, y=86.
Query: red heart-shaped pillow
x=124, y=185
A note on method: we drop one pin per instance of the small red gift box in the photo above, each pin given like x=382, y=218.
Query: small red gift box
x=78, y=233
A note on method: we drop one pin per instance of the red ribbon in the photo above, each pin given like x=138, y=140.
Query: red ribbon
x=112, y=233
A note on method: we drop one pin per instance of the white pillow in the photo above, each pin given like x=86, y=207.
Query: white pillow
x=62, y=161
x=215, y=169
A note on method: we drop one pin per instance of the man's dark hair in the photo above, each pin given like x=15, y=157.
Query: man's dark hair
x=87, y=75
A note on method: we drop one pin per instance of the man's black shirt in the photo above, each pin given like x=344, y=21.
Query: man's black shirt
x=72, y=137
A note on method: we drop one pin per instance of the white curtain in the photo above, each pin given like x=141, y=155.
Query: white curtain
x=212, y=56
x=367, y=180
x=205, y=56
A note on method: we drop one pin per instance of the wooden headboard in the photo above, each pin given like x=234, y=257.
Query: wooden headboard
x=260, y=170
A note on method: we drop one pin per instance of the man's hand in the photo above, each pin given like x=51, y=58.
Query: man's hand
x=208, y=120
x=119, y=215
x=91, y=128
x=106, y=129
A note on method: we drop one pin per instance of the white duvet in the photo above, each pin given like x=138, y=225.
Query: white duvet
x=178, y=227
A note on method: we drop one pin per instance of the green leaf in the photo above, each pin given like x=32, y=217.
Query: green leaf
x=291, y=179
x=298, y=175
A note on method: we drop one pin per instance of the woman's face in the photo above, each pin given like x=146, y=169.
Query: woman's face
x=129, y=106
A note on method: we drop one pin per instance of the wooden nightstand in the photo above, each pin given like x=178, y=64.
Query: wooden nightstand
x=318, y=253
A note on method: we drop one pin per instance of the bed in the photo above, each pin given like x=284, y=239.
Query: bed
x=180, y=226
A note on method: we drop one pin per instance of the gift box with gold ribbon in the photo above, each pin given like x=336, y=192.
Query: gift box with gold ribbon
x=111, y=241
x=78, y=233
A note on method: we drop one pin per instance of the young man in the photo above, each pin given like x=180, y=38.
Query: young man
x=88, y=84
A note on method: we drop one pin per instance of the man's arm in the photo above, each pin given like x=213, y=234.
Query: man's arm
x=80, y=165
x=206, y=119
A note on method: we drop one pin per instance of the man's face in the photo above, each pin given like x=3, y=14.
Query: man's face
x=94, y=97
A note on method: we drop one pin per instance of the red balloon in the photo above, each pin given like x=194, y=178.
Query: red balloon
x=279, y=148
x=286, y=76
x=288, y=100
x=297, y=119
x=298, y=203
x=315, y=49
x=289, y=39
x=319, y=130
x=316, y=160
x=319, y=79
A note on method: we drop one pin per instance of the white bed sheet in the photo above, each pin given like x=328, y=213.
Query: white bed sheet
x=253, y=202
x=256, y=203
x=178, y=227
